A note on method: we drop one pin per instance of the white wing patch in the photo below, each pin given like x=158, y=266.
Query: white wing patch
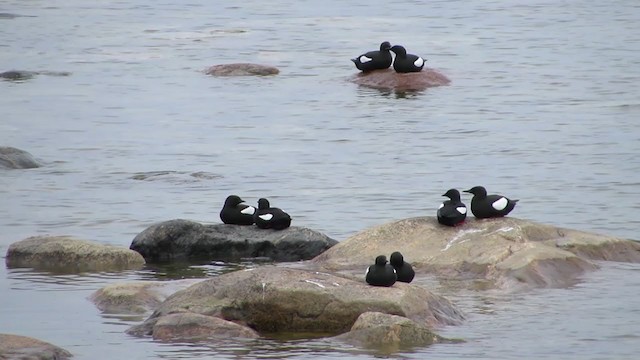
x=248, y=210
x=366, y=272
x=500, y=204
x=441, y=206
x=363, y=59
x=266, y=217
x=419, y=62
x=462, y=209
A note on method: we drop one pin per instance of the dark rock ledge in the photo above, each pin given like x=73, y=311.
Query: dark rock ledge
x=184, y=240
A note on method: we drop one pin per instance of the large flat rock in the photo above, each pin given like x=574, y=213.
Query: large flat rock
x=273, y=299
x=184, y=240
x=506, y=250
x=70, y=255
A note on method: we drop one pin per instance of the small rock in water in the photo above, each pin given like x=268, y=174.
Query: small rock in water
x=390, y=333
x=21, y=75
x=177, y=177
x=390, y=80
x=18, y=347
x=7, y=16
x=242, y=69
x=17, y=75
x=12, y=158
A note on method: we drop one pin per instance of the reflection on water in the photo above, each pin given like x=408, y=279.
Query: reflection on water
x=30, y=279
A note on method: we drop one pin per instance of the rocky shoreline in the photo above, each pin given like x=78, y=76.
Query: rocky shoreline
x=322, y=295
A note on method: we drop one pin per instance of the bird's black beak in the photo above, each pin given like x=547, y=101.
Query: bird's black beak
x=467, y=191
x=443, y=195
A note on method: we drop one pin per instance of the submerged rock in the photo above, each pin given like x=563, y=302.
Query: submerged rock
x=242, y=69
x=175, y=177
x=13, y=16
x=508, y=251
x=17, y=75
x=388, y=79
x=136, y=297
x=272, y=299
x=390, y=333
x=16, y=347
x=70, y=255
x=21, y=75
x=12, y=158
x=180, y=240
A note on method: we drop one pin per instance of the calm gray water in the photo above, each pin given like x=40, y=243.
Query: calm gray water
x=542, y=107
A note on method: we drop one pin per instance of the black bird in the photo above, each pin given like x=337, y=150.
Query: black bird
x=234, y=212
x=267, y=217
x=404, y=270
x=375, y=60
x=452, y=212
x=381, y=273
x=485, y=206
x=406, y=63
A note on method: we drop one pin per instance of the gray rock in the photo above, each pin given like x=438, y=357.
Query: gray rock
x=180, y=240
x=388, y=79
x=12, y=158
x=191, y=327
x=22, y=75
x=175, y=177
x=241, y=69
x=17, y=75
x=136, y=297
x=273, y=299
x=16, y=347
x=390, y=333
x=507, y=251
x=69, y=255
